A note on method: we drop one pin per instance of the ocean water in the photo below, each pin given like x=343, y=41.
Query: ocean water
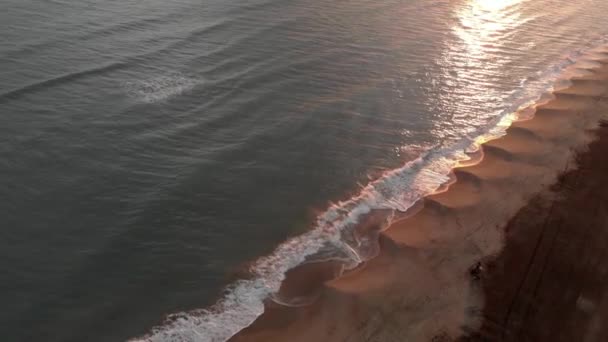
x=178, y=157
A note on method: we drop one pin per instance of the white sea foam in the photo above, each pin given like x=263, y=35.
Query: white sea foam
x=159, y=88
x=396, y=190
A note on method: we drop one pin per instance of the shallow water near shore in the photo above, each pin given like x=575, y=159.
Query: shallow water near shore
x=181, y=157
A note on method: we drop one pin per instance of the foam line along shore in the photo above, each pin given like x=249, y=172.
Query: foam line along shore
x=347, y=233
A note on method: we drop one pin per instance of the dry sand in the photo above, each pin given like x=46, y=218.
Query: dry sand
x=549, y=282
x=510, y=251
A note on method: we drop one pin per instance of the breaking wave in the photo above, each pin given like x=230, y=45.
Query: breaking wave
x=160, y=88
x=337, y=235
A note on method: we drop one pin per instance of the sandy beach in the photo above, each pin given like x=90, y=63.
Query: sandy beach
x=511, y=249
x=549, y=283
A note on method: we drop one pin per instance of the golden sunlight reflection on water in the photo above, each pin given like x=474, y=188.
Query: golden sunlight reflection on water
x=475, y=62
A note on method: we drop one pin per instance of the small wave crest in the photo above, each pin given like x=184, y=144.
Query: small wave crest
x=57, y=81
x=159, y=88
x=348, y=231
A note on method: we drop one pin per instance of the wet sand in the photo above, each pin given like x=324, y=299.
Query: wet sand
x=510, y=250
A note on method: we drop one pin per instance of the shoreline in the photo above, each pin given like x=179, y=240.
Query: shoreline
x=420, y=287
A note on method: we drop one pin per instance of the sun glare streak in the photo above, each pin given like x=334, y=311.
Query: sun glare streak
x=474, y=61
x=494, y=5
x=483, y=23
